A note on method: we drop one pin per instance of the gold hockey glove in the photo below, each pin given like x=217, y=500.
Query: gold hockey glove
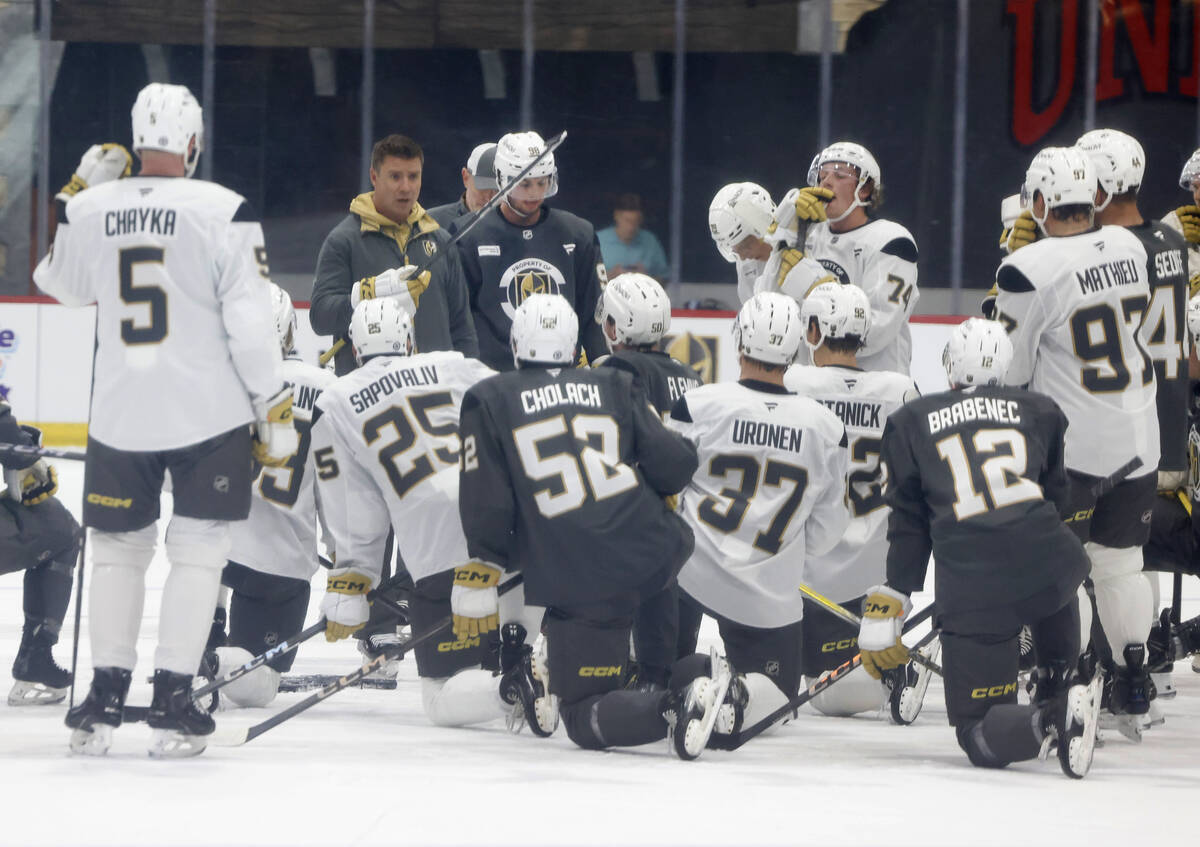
x=474, y=600
x=879, y=633
x=101, y=163
x=345, y=606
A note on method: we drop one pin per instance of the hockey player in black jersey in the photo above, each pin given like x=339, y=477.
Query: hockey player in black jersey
x=529, y=248
x=976, y=476
x=40, y=537
x=634, y=313
x=563, y=477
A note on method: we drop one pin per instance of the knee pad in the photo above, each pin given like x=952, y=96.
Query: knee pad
x=469, y=697
x=134, y=549
x=764, y=697
x=852, y=695
x=201, y=543
x=254, y=690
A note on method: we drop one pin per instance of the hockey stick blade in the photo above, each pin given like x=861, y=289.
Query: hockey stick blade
x=29, y=451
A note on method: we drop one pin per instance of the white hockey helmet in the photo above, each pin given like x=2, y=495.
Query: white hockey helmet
x=515, y=151
x=640, y=309
x=739, y=210
x=167, y=118
x=1118, y=158
x=1193, y=319
x=380, y=327
x=1064, y=176
x=284, y=314
x=544, y=331
x=1190, y=172
x=978, y=353
x=768, y=328
x=841, y=311
x=858, y=156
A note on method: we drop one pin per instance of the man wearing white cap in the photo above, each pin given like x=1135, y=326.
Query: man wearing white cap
x=479, y=186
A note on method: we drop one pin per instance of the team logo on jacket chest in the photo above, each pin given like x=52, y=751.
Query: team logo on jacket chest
x=525, y=277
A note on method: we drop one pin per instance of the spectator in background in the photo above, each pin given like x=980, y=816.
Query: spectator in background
x=627, y=247
x=479, y=186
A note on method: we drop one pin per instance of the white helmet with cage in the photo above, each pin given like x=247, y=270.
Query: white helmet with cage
x=1190, y=172
x=1064, y=176
x=860, y=157
x=544, y=331
x=168, y=118
x=739, y=210
x=978, y=353
x=639, y=308
x=380, y=327
x=768, y=328
x=284, y=314
x=841, y=311
x=515, y=151
x=1118, y=158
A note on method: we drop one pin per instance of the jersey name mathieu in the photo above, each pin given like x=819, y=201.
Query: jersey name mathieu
x=177, y=269
x=280, y=536
x=1074, y=307
x=863, y=400
x=769, y=493
x=392, y=425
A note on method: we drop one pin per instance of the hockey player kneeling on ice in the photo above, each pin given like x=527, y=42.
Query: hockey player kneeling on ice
x=185, y=364
x=836, y=320
x=273, y=553
x=976, y=476
x=37, y=536
x=563, y=477
x=386, y=437
x=770, y=492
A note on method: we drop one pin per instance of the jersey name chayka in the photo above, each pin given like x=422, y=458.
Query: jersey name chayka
x=139, y=219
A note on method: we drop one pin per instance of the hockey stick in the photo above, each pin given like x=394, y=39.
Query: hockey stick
x=1113, y=479
x=30, y=451
x=249, y=733
x=78, y=614
x=823, y=682
x=849, y=617
x=551, y=145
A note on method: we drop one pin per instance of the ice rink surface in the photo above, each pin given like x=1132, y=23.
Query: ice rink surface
x=366, y=768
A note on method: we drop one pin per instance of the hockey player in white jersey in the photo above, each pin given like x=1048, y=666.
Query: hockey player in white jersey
x=769, y=493
x=185, y=361
x=739, y=218
x=834, y=223
x=837, y=321
x=1073, y=304
x=273, y=553
x=1186, y=219
x=387, y=435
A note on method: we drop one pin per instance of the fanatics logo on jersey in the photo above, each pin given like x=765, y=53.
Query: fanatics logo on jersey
x=770, y=406
x=489, y=249
x=529, y=276
x=570, y=248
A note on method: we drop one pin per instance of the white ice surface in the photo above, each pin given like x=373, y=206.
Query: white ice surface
x=365, y=768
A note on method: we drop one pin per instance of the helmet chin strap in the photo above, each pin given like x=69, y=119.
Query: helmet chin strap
x=854, y=205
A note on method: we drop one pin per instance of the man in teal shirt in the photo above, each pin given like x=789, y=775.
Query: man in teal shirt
x=627, y=247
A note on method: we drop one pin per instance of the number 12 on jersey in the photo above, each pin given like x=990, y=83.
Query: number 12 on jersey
x=1004, y=473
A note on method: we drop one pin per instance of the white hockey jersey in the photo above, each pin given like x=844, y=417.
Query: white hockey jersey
x=748, y=272
x=863, y=400
x=1075, y=310
x=280, y=536
x=385, y=438
x=184, y=334
x=880, y=257
x=769, y=493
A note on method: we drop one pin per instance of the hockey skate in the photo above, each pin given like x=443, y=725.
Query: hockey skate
x=179, y=724
x=1128, y=693
x=693, y=712
x=731, y=715
x=1070, y=723
x=94, y=720
x=908, y=690
x=371, y=648
x=525, y=682
x=37, y=678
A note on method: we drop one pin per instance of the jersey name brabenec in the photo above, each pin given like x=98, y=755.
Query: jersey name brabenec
x=974, y=409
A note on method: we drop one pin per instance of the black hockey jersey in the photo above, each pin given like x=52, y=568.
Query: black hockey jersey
x=504, y=263
x=1166, y=269
x=977, y=477
x=663, y=378
x=563, y=474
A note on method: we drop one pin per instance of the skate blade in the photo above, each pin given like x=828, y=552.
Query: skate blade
x=911, y=699
x=172, y=744
x=697, y=733
x=1130, y=726
x=515, y=720
x=1075, y=757
x=93, y=741
x=35, y=694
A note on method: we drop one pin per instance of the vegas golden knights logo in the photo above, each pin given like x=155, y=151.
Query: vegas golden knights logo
x=526, y=277
x=430, y=247
x=533, y=282
x=698, y=351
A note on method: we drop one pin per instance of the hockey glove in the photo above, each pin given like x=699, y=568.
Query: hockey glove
x=275, y=439
x=810, y=204
x=1024, y=232
x=988, y=307
x=1193, y=285
x=397, y=283
x=345, y=606
x=879, y=633
x=39, y=481
x=101, y=163
x=1189, y=220
x=474, y=601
